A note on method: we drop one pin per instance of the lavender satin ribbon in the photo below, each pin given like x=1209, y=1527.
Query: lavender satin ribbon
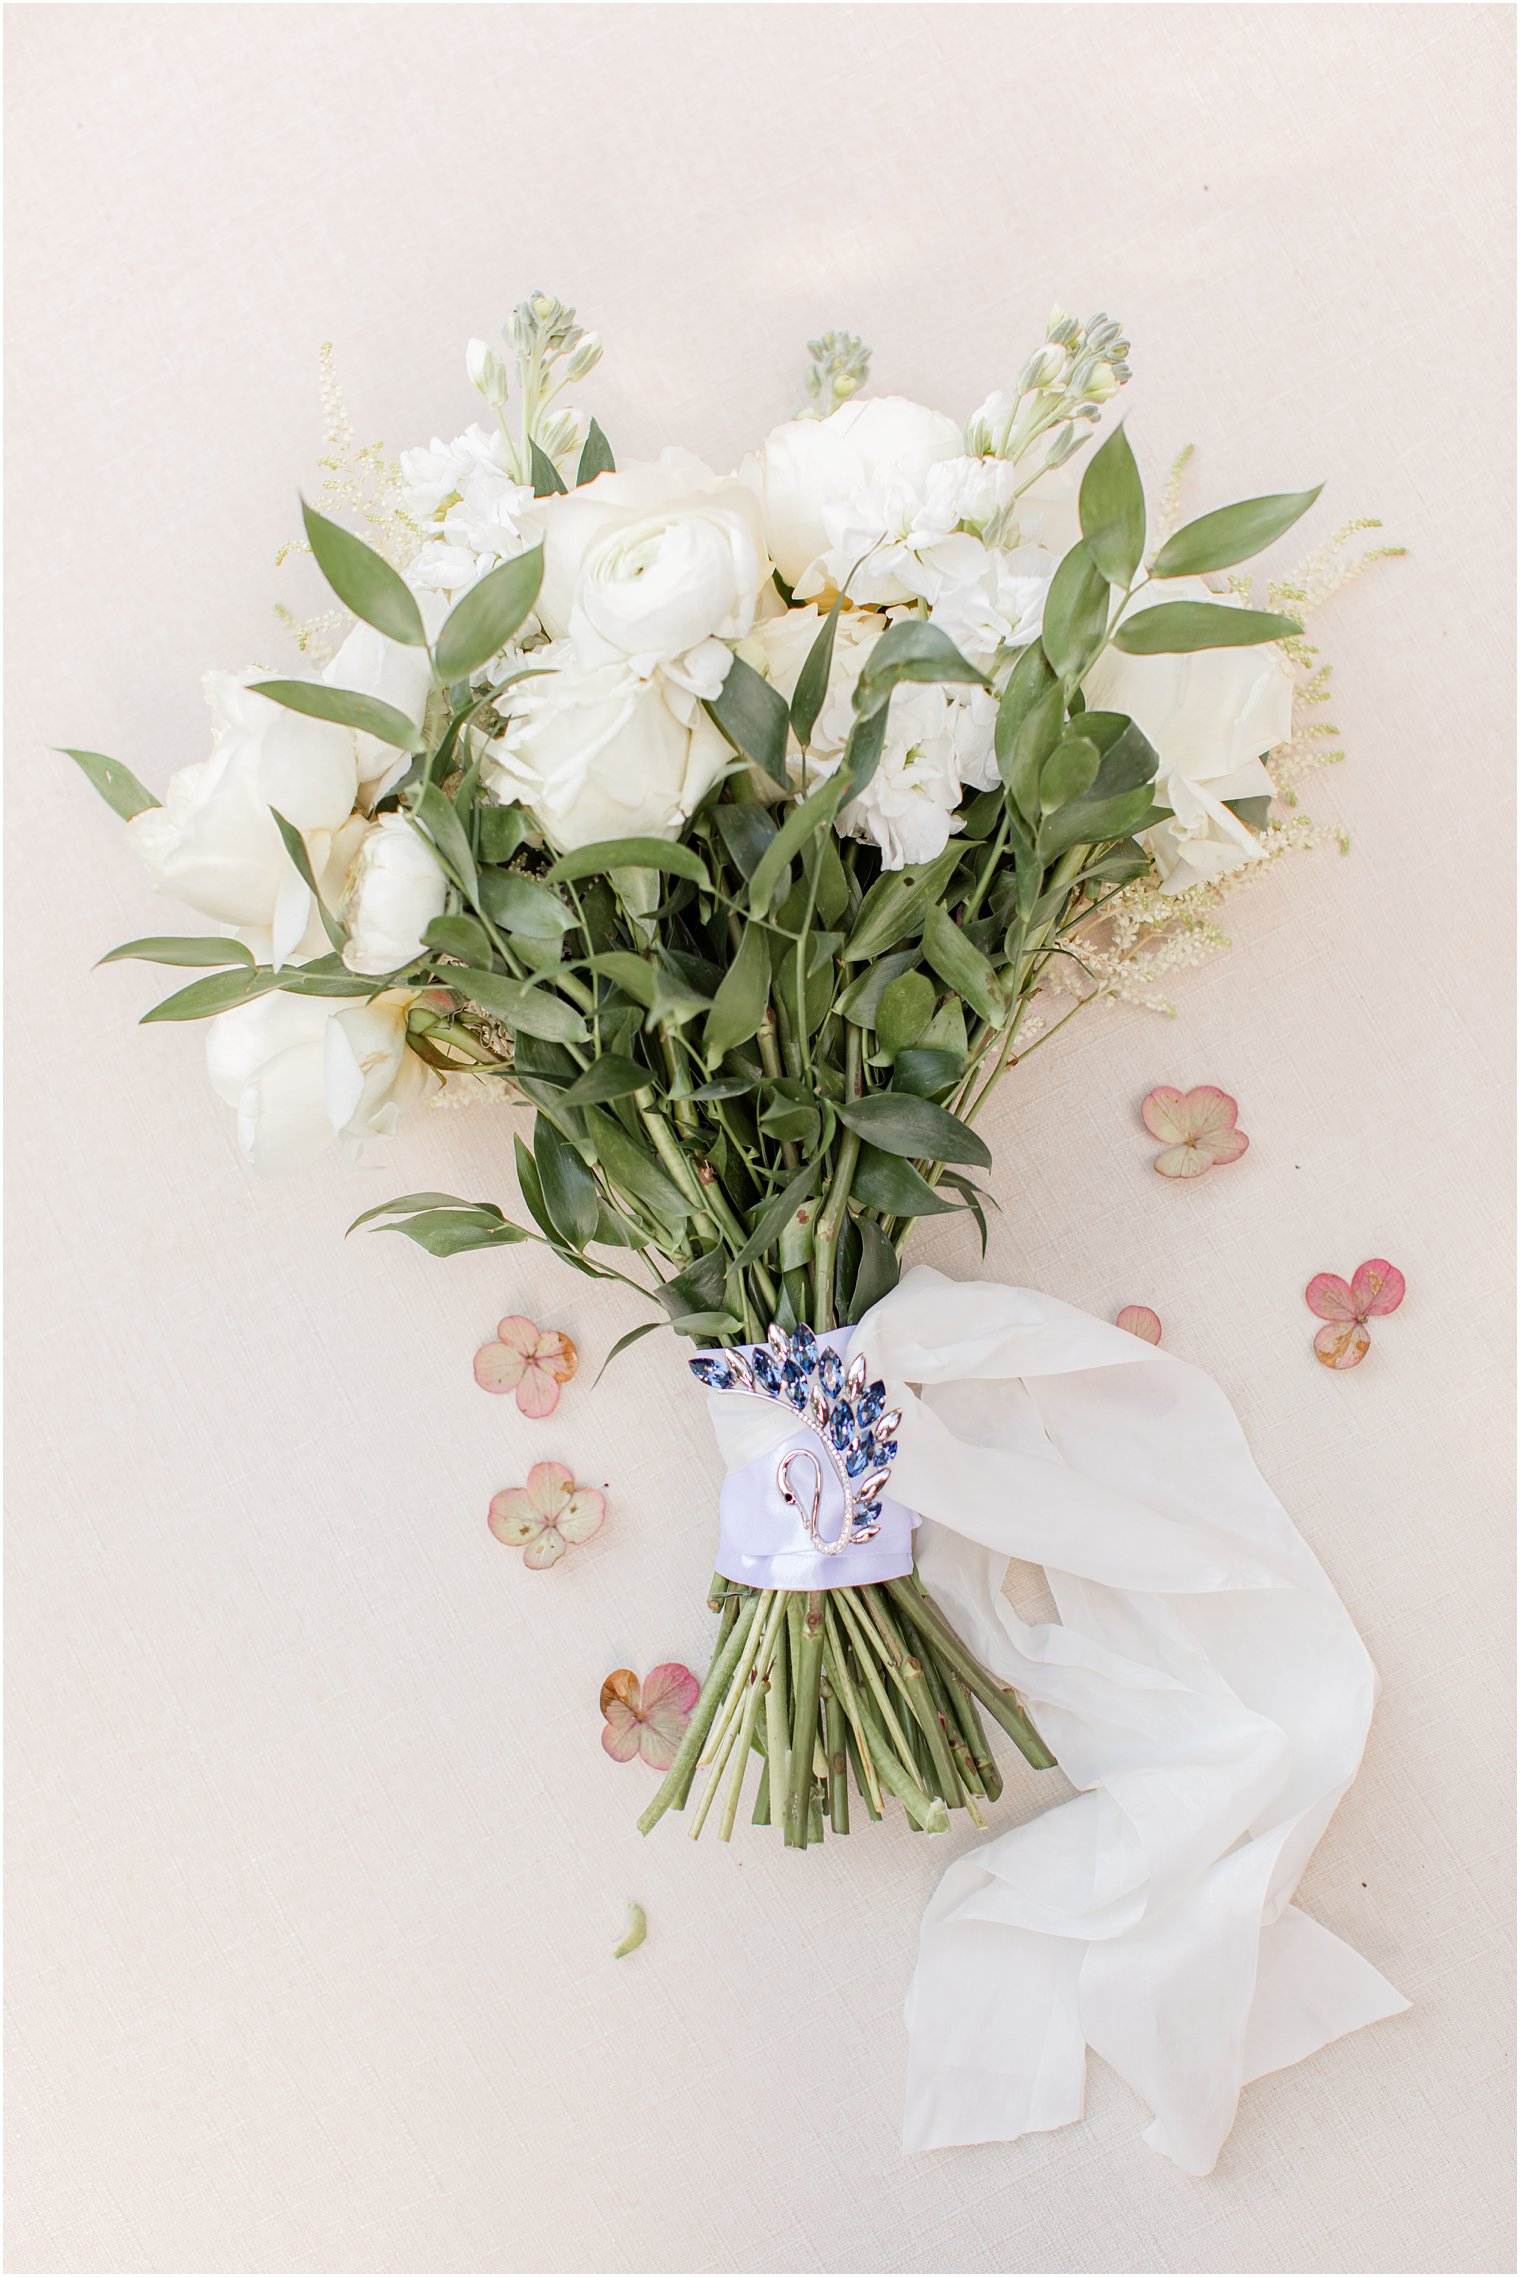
x=762, y=1539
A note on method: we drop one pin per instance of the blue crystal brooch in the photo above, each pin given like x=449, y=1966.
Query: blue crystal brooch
x=849, y=1418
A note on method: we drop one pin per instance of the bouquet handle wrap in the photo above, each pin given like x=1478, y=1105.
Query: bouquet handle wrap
x=1204, y=1689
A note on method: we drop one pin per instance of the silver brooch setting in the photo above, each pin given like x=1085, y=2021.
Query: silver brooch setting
x=849, y=1417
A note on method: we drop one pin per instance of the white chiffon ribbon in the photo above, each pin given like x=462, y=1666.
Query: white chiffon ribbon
x=1204, y=1688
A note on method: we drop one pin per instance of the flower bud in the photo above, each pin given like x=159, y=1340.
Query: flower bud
x=487, y=372
x=585, y=358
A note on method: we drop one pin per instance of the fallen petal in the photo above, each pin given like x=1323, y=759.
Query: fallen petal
x=634, y=1935
x=1377, y=1287
x=1181, y=1162
x=1343, y=1344
x=670, y=1694
x=513, y=1519
x=1330, y=1298
x=520, y=1333
x=622, y=1685
x=537, y=1393
x=1141, y=1322
x=555, y=1353
x=622, y=1733
x=1164, y=1113
x=546, y=1551
x=499, y=1367
x=549, y=1488
x=582, y=1514
x=1210, y=1113
x=1224, y=1146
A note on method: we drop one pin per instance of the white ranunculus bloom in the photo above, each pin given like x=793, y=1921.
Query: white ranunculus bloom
x=596, y=753
x=1211, y=716
x=810, y=473
x=214, y=842
x=395, y=889
x=303, y=1070
x=399, y=675
x=654, y=567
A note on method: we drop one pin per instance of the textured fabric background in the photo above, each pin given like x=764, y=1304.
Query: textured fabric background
x=316, y=1864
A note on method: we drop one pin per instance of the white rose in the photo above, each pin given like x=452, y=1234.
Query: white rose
x=809, y=467
x=1211, y=716
x=656, y=565
x=370, y=665
x=214, y=842
x=598, y=754
x=303, y=1070
x=395, y=889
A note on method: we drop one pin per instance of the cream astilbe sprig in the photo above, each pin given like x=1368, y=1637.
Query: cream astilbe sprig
x=358, y=479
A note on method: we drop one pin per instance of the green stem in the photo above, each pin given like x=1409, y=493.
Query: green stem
x=677, y=1780
x=830, y=1219
x=809, y=1664
x=999, y=1699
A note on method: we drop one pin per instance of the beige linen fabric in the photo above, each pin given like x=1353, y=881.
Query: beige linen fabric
x=316, y=1863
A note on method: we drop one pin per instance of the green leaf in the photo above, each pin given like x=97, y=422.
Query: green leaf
x=905, y=1009
x=1090, y=822
x=1111, y=505
x=973, y=1202
x=613, y=1076
x=753, y=716
x=1128, y=758
x=117, y=784
x=746, y=831
x=777, y=1216
x=895, y=906
x=441, y=824
x=815, y=812
x=405, y=1203
x=596, y=458
x=1068, y=773
x=1123, y=863
x=698, y=1289
x=912, y=650
x=635, y=976
x=363, y=580
x=569, y=1189
x=450, y=1233
x=219, y=992
x=813, y=680
x=610, y=854
x=861, y=1000
x=879, y=1270
x=1231, y=533
x=1076, y=613
x=1177, y=628
x=625, y=1164
x=1253, y=812
x=180, y=949
x=1031, y=744
x=914, y=1127
x=480, y=626
x=346, y=707
x=887, y=1183
x=926, y=1069
x=546, y=475
x=502, y=830
x=646, y=1328
x=461, y=937
x=743, y=993
x=533, y=1010
x=521, y=904
x=295, y=847
x=961, y=965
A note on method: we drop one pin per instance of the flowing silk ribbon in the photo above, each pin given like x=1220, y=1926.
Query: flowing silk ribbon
x=1204, y=1688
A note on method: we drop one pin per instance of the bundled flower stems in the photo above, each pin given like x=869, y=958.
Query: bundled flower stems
x=728, y=825
x=863, y=1687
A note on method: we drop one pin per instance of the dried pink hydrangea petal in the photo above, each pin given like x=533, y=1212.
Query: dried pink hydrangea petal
x=544, y=1517
x=1198, y=1127
x=1329, y=1298
x=1342, y=1343
x=531, y=1361
x=647, y=1720
x=1142, y=1322
x=1377, y=1287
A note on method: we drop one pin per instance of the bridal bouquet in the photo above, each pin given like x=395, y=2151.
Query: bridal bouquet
x=732, y=823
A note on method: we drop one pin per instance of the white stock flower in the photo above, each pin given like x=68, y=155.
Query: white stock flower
x=1211, y=716
x=394, y=891
x=654, y=567
x=876, y=449
x=303, y=1070
x=471, y=507
x=214, y=842
x=596, y=753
